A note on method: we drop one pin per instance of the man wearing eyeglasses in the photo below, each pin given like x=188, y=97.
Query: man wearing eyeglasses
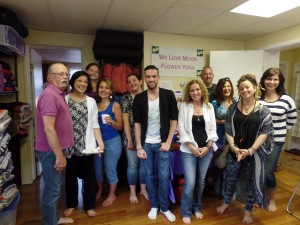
x=207, y=75
x=54, y=135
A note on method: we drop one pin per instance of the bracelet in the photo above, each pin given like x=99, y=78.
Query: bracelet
x=208, y=146
x=139, y=148
x=250, y=152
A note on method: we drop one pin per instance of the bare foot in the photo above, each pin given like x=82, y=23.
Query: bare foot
x=145, y=193
x=108, y=201
x=186, y=220
x=272, y=206
x=222, y=208
x=68, y=211
x=98, y=194
x=91, y=213
x=247, y=217
x=64, y=220
x=199, y=215
x=133, y=198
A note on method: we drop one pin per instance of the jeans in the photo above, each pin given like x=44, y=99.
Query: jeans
x=195, y=169
x=135, y=169
x=51, y=193
x=271, y=163
x=234, y=170
x=98, y=162
x=158, y=198
x=112, y=154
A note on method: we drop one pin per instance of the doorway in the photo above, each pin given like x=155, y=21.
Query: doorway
x=40, y=58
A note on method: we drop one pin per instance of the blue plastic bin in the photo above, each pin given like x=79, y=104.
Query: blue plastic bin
x=9, y=214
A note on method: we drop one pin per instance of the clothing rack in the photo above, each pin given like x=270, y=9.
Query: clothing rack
x=290, y=201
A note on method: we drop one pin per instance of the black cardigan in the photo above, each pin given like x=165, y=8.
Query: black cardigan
x=167, y=107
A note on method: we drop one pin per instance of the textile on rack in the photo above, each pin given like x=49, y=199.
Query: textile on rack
x=21, y=114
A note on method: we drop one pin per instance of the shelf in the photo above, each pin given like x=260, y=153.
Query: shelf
x=8, y=92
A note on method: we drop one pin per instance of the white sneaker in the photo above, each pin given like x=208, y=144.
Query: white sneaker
x=170, y=216
x=153, y=213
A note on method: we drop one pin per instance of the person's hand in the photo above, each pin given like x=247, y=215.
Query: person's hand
x=245, y=153
x=141, y=154
x=60, y=163
x=241, y=154
x=164, y=147
x=130, y=145
x=203, y=151
x=108, y=120
x=195, y=151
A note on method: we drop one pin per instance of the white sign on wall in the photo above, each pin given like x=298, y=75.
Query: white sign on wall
x=182, y=62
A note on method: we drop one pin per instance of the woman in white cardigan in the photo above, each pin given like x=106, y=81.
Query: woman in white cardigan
x=87, y=135
x=197, y=129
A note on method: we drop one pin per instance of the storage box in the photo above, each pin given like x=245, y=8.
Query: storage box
x=178, y=187
x=8, y=215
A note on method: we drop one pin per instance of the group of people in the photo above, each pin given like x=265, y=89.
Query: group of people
x=255, y=127
x=71, y=128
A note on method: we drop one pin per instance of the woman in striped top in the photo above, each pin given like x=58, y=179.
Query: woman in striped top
x=284, y=115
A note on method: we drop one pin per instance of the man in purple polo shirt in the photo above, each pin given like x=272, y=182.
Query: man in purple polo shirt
x=54, y=135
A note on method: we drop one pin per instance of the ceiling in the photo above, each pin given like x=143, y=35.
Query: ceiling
x=201, y=18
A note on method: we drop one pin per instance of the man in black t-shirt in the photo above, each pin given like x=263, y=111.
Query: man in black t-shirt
x=207, y=75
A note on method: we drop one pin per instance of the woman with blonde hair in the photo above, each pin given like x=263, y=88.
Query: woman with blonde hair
x=197, y=130
x=249, y=132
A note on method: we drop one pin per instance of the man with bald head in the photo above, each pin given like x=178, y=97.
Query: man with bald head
x=207, y=76
x=54, y=135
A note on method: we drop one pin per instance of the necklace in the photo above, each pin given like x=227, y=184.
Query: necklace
x=104, y=104
x=246, y=109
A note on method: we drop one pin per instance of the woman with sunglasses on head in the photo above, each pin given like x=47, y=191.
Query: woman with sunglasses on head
x=223, y=98
x=284, y=116
x=249, y=132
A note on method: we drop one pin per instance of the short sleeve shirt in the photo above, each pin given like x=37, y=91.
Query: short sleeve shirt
x=52, y=103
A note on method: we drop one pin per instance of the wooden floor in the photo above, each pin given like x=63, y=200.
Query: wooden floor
x=122, y=212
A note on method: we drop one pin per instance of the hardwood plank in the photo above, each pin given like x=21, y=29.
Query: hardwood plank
x=122, y=212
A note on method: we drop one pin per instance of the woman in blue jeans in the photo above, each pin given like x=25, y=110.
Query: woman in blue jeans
x=197, y=130
x=284, y=116
x=135, y=170
x=110, y=120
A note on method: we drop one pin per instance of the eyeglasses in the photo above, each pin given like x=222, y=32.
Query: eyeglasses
x=61, y=74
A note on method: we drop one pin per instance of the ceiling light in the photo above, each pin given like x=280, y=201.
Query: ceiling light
x=266, y=8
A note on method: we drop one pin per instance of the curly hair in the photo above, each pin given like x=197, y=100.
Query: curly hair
x=280, y=90
x=110, y=85
x=204, y=93
x=252, y=79
x=218, y=96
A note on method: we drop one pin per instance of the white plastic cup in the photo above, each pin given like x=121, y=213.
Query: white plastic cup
x=103, y=116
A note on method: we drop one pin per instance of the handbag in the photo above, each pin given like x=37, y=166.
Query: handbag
x=221, y=160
